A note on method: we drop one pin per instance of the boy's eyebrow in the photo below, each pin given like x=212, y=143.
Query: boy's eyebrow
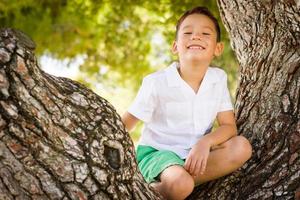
x=189, y=26
x=209, y=28
x=186, y=26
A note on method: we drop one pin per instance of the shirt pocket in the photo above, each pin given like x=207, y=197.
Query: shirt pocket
x=179, y=116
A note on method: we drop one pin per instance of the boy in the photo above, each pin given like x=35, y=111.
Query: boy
x=178, y=105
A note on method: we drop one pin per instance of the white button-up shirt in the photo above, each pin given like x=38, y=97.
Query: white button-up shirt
x=174, y=116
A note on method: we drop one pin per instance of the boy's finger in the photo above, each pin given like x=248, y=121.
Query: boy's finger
x=190, y=167
x=187, y=164
x=198, y=170
x=203, y=166
x=193, y=166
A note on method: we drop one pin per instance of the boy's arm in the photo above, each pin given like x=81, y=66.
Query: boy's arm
x=129, y=121
x=227, y=129
x=197, y=158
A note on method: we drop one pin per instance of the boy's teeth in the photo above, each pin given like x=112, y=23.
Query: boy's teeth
x=195, y=47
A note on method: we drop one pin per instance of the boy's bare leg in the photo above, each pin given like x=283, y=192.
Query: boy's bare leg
x=223, y=159
x=175, y=183
x=226, y=158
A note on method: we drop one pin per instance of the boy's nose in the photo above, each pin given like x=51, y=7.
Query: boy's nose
x=196, y=36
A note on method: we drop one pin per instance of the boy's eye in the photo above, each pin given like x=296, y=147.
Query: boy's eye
x=206, y=33
x=187, y=33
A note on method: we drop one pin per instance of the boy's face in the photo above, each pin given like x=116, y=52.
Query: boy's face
x=197, y=39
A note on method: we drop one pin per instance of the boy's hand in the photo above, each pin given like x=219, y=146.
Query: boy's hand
x=196, y=160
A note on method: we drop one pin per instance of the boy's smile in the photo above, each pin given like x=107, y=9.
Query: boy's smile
x=196, y=46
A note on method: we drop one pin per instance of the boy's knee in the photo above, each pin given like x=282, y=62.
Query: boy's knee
x=242, y=149
x=183, y=184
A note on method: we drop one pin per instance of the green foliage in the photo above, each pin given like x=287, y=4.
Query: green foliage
x=125, y=39
x=113, y=34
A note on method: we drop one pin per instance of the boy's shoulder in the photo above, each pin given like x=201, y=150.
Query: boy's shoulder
x=218, y=72
x=160, y=74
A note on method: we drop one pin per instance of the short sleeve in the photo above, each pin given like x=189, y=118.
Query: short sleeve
x=144, y=102
x=226, y=103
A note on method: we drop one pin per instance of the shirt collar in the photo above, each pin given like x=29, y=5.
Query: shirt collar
x=174, y=78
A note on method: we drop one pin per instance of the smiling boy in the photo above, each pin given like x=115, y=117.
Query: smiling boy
x=178, y=105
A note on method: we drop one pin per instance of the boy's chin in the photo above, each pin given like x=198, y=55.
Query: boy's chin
x=195, y=59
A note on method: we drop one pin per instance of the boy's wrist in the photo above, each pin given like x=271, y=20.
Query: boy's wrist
x=207, y=140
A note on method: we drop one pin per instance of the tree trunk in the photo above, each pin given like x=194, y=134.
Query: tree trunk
x=59, y=140
x=266, y=38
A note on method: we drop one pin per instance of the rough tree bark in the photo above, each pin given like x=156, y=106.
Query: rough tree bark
x=266, y=38
x=59, y=140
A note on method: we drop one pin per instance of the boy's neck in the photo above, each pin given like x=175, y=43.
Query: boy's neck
x=192, y=71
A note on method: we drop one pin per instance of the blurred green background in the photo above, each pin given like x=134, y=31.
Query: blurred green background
x=107, y=45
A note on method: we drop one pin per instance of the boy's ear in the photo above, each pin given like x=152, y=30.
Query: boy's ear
x=219, y=48
x=174, y=47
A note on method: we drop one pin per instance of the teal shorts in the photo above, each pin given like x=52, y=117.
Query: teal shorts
x=152, y=162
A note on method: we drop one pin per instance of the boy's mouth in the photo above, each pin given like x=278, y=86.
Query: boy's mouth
x=195, y=46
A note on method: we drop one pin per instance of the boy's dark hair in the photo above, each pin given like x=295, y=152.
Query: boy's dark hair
x=203, y=11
